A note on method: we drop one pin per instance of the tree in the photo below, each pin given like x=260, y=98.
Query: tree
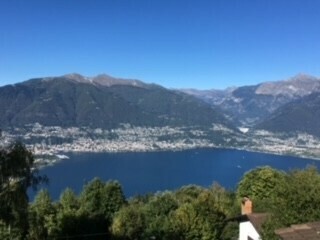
x=41, y=216
x=114, y=199
x=100, y=199
x=200, y=219
x=99, y=202
x=17, y=174
x=188, y=193
x=158, y=212
x=299, y=197
x=69, y=201
x=297, y=201
x=225, y=202
x=260, y=186
x=68, y=220
x=129, y=222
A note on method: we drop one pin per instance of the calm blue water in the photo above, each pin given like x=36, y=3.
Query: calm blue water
x=140, y=173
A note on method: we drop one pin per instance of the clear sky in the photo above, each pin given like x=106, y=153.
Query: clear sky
x=176, y=43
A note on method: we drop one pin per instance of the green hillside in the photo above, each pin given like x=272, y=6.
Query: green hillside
x=65, y=102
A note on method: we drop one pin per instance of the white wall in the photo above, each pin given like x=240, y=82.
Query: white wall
x=247, y=229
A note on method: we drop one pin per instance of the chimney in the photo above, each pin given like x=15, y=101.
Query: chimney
x=246, y=206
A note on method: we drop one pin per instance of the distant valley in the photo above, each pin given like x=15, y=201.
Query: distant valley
x=106, y=114
x=251, y=105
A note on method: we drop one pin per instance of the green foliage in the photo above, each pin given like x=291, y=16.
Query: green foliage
x=191, y=212
x=94, y=210
x=6, y=232
x=69, y=202
x=68, y=220
x=129, y=223
x=92, y=198
x=300, y=195
x=76, y=217
x=290, y=198
x=158, y=211
x=269, y=227
x=17, y=174
x=41, y=216
x=99, y=199
x=188, y=193
x=115, y=198
x=161, y=204
x=297, y=201
x=225, y=202
x=260, y=186
x=200, y=219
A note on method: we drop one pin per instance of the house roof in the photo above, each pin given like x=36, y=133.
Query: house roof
x=310, y=231
x=256, y=219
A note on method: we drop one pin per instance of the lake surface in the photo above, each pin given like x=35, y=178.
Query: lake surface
x=140, y=173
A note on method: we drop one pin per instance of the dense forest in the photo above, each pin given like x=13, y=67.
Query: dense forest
x=101, y=211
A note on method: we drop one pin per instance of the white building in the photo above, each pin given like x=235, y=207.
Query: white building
x=250, y=223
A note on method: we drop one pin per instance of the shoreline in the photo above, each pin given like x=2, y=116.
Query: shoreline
x=64, y=156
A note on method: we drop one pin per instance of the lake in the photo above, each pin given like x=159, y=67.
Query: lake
x=140, y=173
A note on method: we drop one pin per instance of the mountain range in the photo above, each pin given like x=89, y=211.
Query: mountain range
x=101, y=102
x=282, y=106
x=301, y=115
x=291, y=105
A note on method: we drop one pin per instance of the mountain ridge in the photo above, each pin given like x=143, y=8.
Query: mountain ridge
x=105, y=101
x=102, y=113
x=301, y=115
x=249, y=105
x=101, y=101
x=100, y=80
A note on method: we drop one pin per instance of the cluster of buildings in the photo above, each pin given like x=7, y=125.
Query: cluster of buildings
x=299, y=144
x=52, y=140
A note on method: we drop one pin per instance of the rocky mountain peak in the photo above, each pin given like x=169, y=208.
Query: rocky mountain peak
x=99, y=80
x=299, y=85
x=106, y=80
x=77, y=77
x=302, y=77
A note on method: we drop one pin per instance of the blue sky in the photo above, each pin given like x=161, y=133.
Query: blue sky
x=176, y=43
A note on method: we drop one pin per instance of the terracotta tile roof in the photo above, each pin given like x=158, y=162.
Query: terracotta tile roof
x=310, y=231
